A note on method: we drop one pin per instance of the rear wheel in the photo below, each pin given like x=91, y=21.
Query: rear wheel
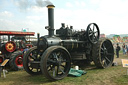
x=55, y=63
x=16, y=60
x=103, y=53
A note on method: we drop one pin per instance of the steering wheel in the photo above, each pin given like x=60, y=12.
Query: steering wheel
x=93, y=33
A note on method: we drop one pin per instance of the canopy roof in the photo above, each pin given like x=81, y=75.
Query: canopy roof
x=17, y=33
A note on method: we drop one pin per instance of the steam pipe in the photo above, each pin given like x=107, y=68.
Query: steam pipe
x=51, y=19
x=38, y=39
x=8, y=38
x=0, y=41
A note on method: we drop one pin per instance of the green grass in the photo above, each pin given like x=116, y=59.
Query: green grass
x=114, y=75
x=122, y=80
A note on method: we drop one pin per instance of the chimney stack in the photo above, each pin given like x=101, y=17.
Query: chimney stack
x=51, y=19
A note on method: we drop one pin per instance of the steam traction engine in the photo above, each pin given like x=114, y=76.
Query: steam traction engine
x=12, y=44
x=54, y=54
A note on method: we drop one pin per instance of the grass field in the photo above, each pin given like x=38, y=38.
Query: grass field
x=115, y=75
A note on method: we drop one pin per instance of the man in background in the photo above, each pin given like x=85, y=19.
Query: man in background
x=117, y=50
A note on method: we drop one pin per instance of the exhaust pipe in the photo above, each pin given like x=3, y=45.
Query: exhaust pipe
x=51, y=20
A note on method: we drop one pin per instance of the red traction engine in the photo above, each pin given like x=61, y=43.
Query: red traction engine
x=12, y=44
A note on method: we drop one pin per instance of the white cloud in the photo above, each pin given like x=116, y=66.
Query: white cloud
x=22, y=4
x=95, y=1
x=34, y=17
x=7, y=25
x=33, y=26
x=6, y=14
x=68, y=4
x=37, y=9
x=110, y=15
x=76, y=4
x=80, y=3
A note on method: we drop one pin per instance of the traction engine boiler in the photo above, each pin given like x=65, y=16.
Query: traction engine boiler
x=54, y=54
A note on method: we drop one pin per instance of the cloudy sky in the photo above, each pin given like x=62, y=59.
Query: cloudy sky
x=110, y=15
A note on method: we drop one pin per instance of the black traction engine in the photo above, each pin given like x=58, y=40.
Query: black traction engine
x=54, y=54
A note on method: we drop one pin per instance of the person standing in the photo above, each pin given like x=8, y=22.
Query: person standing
x=124, y=48
x=117, y=50
x=127, y=49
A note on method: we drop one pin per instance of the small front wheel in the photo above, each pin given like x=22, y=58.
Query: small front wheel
x=31, y=62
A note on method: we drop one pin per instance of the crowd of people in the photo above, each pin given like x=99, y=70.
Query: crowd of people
x=124, y=49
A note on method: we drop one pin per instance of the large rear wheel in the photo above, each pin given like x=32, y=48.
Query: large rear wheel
x=55, y=63
x=103, y=53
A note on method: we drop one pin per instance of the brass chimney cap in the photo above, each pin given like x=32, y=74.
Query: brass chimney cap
x=50, y=6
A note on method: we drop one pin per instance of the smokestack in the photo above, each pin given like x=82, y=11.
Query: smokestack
x=51, y=19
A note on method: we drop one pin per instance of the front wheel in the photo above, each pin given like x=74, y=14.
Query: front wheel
x=55, y=63
x=31, y=61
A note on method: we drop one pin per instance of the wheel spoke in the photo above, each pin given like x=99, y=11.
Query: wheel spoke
x=95, y=32
x=108, y=47
x=102, y=49
x=61, y=70
x=64, y=61
x=31, y=56
x=37, y=70
x=54, y=72
x=62, y=66
x=51, y=61
x=105, y=63
x=91, y=34
x=93, y=27
x=57, y=70
x=110, y=54
x=90, y=29
x=107, y=59
x=104, y=46
x=55, y=56
x=51, y=67
x=95, y=38
x=60, y=54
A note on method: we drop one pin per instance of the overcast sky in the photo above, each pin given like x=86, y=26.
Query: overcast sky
x=110, y=15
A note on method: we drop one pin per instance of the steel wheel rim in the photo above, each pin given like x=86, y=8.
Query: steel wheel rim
x=93, y=33
x=57, y=64
x=106, y=53
x=19, y=61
